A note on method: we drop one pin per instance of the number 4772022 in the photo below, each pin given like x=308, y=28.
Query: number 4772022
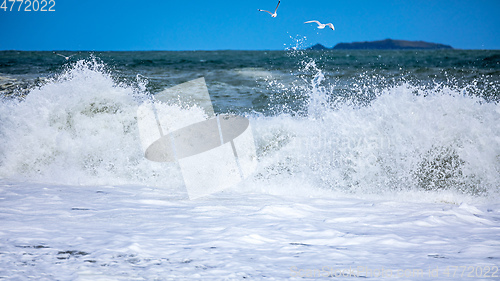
x=28, y=5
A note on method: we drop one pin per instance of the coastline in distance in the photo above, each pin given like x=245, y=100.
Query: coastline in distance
x=387, y=44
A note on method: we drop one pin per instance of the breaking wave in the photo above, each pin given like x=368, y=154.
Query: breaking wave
x=80, y=128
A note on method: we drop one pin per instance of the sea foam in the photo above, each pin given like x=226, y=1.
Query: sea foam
x=80, y=128
x=407, y=138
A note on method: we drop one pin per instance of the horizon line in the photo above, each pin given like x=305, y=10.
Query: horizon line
x=243, y=50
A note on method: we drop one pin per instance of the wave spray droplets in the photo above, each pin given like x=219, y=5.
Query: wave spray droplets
x=81, y=128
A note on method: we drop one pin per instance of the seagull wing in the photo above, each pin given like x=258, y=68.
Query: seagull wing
x=265, y=11
x=277, y=6
x=331, y=26
x=315, y=21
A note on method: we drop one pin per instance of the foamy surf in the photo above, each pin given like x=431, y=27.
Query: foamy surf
x=136, y=232
x=390, y=182
x=81, y=128
x=408, y=138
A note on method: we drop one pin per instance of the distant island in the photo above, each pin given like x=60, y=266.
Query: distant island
x=387, y=44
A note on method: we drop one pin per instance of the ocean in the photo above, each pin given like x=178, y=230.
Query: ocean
x=371, y=163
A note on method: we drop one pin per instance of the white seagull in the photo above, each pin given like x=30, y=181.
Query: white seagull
x=321, y=25
x=272, y=15
x=66, y=57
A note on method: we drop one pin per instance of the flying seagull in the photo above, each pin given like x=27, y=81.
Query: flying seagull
x=272, y=15
x=66, y=57
x=321, y=25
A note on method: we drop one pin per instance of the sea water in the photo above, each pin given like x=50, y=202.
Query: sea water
x=374, y=161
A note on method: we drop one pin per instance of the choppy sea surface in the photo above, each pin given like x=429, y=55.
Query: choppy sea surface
x=374, y=161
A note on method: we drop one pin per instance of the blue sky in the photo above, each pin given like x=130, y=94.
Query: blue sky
x=237, y=25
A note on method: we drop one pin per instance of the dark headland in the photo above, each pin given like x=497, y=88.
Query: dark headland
x=387, y=44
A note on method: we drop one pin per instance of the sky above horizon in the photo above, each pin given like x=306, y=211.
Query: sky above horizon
x=238, y=25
